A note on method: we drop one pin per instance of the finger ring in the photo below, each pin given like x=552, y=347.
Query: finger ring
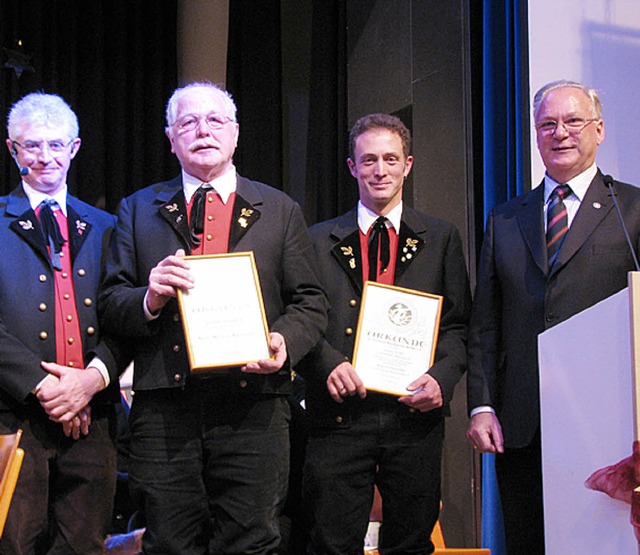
x=343, y=389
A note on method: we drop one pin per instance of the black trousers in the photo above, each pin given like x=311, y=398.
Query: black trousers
x=209, y=467
x=63, y=501
x=519, y=473
x=386, y=446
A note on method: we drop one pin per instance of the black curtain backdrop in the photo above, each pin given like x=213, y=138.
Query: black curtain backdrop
x=254, y=77
x=115, y=64
x=330, y=189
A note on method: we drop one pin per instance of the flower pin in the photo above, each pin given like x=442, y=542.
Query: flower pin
x=26, y=225
x=172, y=207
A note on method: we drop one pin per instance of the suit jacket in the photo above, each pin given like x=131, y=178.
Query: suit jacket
x=429, y=259
x=152, y=224
x=517, y=297
x=27, y=293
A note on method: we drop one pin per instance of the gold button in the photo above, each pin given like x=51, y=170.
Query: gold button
x=348, y=331
x=176, y=317
x=176, y=348
x=66, y=296
x=65, y=275
x=176, y=377
x=353, y=302
x=243, y=383
x=88, y=302
x=412, y=410
x=339, y=419
x=91, y=330
x=209, y=237
x=42, y=278
x=70, y=341
x=81, y=272
x=210, y=218
x=70, y=364
x=43, y=335
x=42, y=307
x=69, y=318
x=209, y=198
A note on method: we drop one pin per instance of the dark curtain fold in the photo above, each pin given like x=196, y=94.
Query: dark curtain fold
x=254, y=78
x=330, y=189
x=115, y=64
x=506, y=165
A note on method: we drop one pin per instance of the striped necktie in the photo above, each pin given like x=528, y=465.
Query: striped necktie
x=557, y=222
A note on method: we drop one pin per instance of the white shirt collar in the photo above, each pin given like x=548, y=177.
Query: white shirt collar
x=223, y=185
x=579, y=184
x=366, y=218
x=36, y=197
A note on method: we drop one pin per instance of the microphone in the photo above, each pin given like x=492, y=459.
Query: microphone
x=608, y=182
x=24, y=170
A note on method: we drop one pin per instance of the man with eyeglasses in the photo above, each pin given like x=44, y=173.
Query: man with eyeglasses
x=209, y=450
x=54, y=360
x=546, y=256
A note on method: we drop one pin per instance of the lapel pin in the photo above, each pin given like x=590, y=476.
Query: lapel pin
x=26, y=225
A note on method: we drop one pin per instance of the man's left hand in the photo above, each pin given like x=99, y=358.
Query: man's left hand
x=79, y=424
x=65, y=398
x=426, y=394
x=270, y=365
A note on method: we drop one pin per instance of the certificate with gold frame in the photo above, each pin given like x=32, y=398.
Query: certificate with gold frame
x=223, y=315
x=396, y=337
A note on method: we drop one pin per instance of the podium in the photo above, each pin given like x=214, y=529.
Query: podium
x=587, y=423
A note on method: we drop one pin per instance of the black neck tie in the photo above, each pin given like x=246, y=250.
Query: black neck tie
x=378, y=240
x=52, y=233
x=196, y=217
x=557, y=222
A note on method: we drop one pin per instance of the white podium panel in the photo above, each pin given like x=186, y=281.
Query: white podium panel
x=586, y=399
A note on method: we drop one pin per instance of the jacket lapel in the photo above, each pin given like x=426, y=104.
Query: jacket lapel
x=173, y=209
x=530, y=217
x=594, y=208
x=346, y=249
x=410, y=241
x=244, y=216
x=25, y=224
x=78, y=229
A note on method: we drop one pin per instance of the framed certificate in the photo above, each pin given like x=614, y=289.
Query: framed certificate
x=223, y=315
x=396, y=337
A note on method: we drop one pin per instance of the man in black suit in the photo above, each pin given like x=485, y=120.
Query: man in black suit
x=209, y=450
x=360, y=438
x=55, y=361
x=547, y=255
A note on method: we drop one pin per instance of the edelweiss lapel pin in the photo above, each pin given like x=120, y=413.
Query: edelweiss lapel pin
x=81, y=226
x=410, y=247
x=245, y=213
x=348, y=251
x=27, y=225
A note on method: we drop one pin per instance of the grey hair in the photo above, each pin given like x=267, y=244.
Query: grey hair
x=39, y=108
x=592, y=95
x=178, y=94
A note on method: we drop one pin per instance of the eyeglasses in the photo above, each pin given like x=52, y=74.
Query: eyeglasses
x=573, y=125
x=191, y=121
x=36, y=147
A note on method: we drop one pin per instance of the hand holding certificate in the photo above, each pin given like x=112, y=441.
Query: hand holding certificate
x=223, y=314
x=396, y=338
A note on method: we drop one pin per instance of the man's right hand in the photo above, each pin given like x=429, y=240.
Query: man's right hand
x=344, y=381
x=170, y=274
x=485, y=433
